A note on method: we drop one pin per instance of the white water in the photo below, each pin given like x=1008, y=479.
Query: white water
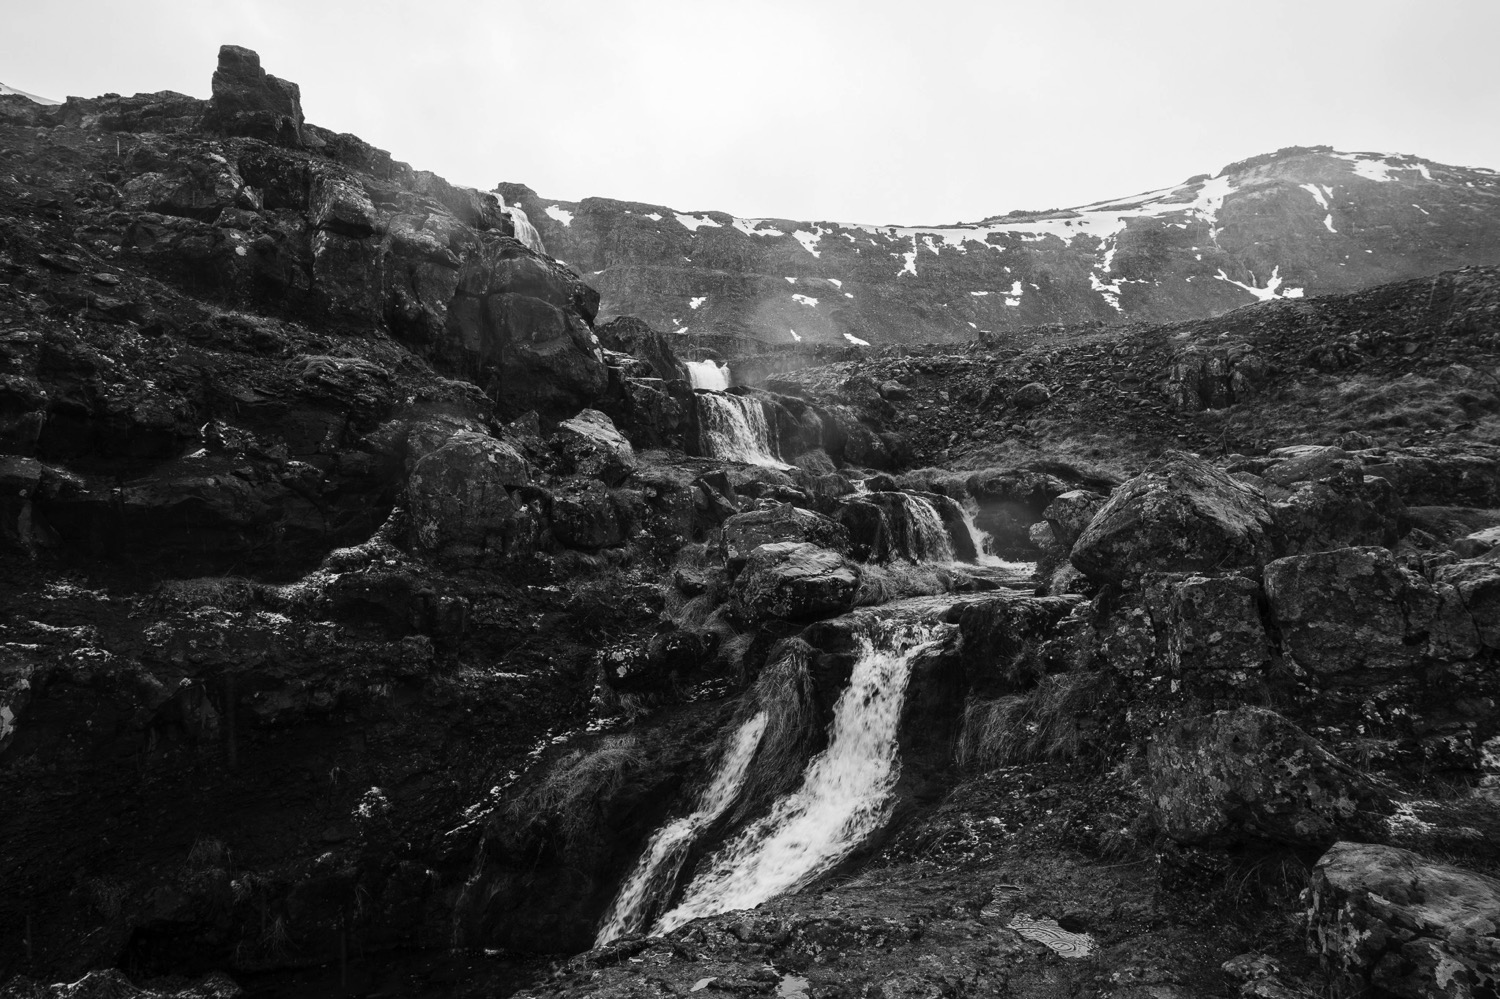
x=845, y=794
x=658, y=866
x=708, y=375
x=735, y=429
x=924, y=538
x=525, y=231
x=980, y=538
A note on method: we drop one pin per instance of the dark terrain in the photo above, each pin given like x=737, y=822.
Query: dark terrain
x=370, y=600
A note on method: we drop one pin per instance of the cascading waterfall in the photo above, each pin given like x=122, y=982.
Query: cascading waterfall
x=918, y=533
x=734, y=428
x=658, y=866
x=980, y=538
x=845, y=794
x=708, y=375
x=525, y=231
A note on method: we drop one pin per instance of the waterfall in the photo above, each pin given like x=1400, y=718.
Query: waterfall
x=980, y=538
x=708, y=375
x=734, y=428
x=657, y=869
x=845, y=794
x=525, y=231
x=917, y=532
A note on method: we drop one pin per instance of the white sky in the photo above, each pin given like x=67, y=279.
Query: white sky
x=917, y=111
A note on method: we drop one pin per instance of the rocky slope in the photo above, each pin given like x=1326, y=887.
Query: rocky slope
x=367, y=610
x=1298, y=222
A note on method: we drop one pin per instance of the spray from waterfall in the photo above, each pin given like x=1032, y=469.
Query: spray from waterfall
x=845, y=794
x=656, y=871
x=708, y=375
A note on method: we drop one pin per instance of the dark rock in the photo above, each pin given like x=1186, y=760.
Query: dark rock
x=586, y=515
x=1357, y=608
x=594, y=448
x=459, y=499
x=1478, y=586
x=793, y=580
x=1346, y=509
x=1070, y=513
x=745, y=532
x=1213, y=623
x=1184, y=515
x=1249, y=774
x=250, y=102
x=1031, y=396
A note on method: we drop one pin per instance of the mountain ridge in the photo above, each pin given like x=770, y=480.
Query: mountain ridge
x=1299, y=221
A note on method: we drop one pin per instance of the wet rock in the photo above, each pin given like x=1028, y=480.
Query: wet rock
x=1070, y=513
x=1250, y=774
x=1405, y=925
x=594, y=448
x=793, y=580
x=458, y=495
x=1357, y=608
x=1184, y=515
x=745, y=532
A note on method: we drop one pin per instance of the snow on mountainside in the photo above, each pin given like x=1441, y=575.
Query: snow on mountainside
x=1301, y=221
x=8, y=91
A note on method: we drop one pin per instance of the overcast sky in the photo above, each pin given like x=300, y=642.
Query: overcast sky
x=918, y=111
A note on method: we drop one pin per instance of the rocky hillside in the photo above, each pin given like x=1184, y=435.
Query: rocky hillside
x=13, y=92
x=1295, y=223
x=374, y=623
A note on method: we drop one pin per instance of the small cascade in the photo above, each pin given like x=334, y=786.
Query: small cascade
x=656, y=872
x=734, y=428
x=980, y=538
x=708, y=375
x=525, y=231
x=845, y=794
x=917, y=531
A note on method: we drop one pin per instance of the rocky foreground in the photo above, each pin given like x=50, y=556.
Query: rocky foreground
x=368, y=606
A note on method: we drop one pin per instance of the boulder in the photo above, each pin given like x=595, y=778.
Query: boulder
x=745, y=532
x=1212, y=623
x=1031, y=395
x=1303, y=462
x=586, y=516
x=1478, y=543
x=1249, y=774
x=1358, y=608
x=594, y=448
x=1405, y=925
x=459, y=495
x=1070, y=513
x=1478, y=586
x=793, y=580
x=1184, y=515
x=1344, y=510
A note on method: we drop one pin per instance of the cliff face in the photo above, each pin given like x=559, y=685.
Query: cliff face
x=1298, y=222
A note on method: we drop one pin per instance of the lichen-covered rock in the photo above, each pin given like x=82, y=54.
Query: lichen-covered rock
x=1303, y=462
x=1070, y=514
x=1249, y=774
x=586, y=515
x=1407, y=926
x=745, y=532
x=458, y=495
x=1184, y=515
x=1212, y=623
x=1355, y=608
x=1343, y=510
x=794, y=580
x=594, y=447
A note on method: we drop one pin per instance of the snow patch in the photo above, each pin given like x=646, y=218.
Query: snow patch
x=805, y=299
x=653, y=216
x=794, y=334
x=1317, y=194
x=1270, y=291
x=809, y=241
x=856, y=340
x=1421, y=209
x=692, y=223
x=979, y=294
x=561, y=214
x=835, y=282
x=910, y=256
x=791, y=280
x=30, y=97
x=749, y=228
x=693, y=303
